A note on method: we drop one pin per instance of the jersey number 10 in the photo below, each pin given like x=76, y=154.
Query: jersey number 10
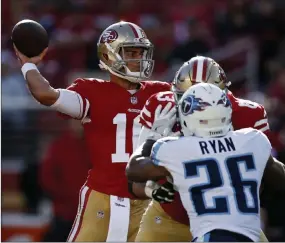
x=244, y=191
x=121, y=137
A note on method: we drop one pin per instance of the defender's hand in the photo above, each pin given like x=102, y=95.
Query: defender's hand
x=24, y=59
x=161, y=193
x=164, y=194
x=164, y=119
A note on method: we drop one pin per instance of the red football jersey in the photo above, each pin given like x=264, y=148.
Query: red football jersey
x=111, y=129
x=245, y=114
x=148, y=112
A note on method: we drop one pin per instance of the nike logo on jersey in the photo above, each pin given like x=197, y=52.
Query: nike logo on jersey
x=120, y=205
x=134, y=110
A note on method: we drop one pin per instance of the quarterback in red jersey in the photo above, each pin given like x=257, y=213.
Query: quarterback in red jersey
x=109, y=111
x=169, y=221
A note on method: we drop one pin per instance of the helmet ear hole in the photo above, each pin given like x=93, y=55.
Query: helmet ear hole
x=185, y=123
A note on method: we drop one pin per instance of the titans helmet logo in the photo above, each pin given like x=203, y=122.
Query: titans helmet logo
x=191, y=104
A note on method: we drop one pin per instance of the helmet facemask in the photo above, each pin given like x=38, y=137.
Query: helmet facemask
x=120, y=65
x=112, y=47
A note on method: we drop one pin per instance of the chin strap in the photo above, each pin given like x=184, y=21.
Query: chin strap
x=104, y=67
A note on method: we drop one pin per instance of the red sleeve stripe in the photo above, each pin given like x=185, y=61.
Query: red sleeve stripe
x=84, y=107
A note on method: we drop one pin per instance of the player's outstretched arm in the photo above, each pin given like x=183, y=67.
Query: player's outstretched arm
x=141, y=168
x=64, y=101
x=274, y=175
x=38, y=85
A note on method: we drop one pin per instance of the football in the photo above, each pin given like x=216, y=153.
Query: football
x=30, y=37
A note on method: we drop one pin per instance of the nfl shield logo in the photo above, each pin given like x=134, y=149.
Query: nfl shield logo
x=134, y=100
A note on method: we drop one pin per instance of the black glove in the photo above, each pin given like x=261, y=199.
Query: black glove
x=164, y=194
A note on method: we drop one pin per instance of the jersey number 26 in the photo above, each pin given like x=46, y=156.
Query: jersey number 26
x=245, y=191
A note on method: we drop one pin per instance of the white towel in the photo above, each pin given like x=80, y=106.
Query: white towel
x=119, y=219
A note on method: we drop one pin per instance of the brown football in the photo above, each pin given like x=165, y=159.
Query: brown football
x=30, y=37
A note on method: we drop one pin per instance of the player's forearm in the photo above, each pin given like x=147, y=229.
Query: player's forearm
x=142, y=169
x=137, y=169
x=41, y=89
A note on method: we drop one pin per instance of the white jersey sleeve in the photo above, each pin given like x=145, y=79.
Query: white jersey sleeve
x=262, y=144
x=160, y=154
x=72, y=104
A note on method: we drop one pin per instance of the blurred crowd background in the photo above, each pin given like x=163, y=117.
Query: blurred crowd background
x=43, y=157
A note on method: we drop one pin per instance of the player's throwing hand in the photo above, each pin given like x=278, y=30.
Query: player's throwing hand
x=24, y=59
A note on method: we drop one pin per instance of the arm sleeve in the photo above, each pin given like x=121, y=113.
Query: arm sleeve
x=73, y=102
x=265, y=149
x=158, y=152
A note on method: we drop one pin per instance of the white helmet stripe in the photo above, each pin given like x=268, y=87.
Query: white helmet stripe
x=200, y=69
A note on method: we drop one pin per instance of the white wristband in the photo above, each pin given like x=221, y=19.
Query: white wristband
x=27, y=67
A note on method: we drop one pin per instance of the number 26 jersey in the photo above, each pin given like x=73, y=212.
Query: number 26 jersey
x=218, y=179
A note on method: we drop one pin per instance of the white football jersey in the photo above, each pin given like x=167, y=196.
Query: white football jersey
x=218, y=178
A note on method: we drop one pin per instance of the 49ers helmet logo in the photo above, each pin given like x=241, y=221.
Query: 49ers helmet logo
x=109, y=36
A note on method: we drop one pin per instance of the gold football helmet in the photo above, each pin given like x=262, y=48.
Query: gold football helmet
x=111, y=48
x=198, y=69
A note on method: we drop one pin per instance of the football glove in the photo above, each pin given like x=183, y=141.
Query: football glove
x=161, y=193
x=164, y=119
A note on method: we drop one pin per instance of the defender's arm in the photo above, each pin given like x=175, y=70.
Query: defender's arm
x=141, y=168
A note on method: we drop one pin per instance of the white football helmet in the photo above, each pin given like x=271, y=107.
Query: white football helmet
x=111, y=46
x=205, y=111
